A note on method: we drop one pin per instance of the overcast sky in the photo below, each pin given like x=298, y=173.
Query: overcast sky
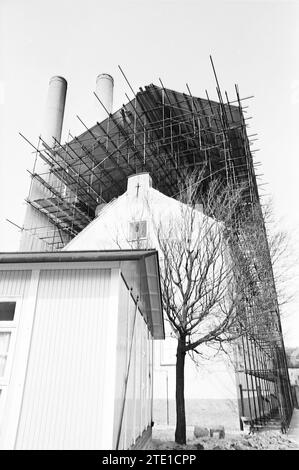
x=253, y=43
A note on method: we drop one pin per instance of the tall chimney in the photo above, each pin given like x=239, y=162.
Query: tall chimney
x=52, y=130
x=54, y=110
x=104, y=90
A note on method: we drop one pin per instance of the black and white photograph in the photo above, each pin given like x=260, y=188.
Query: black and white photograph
x=149, y=228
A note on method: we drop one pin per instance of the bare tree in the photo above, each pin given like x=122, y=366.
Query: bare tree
x=215, y=266
x=217, y=277
x=198, y=275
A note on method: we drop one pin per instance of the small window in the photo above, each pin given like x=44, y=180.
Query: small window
x=138, y=230
x=7, y=311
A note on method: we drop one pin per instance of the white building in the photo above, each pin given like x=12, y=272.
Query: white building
x=76, y=331
x=131, y=221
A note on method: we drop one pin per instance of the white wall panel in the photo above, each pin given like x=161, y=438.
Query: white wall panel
x=138, y=396
x=63, y=397
x=14, y=282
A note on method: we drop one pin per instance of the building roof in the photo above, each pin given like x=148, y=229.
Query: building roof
x=73, y=256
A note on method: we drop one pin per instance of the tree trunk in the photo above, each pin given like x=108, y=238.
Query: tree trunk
x=180, y=431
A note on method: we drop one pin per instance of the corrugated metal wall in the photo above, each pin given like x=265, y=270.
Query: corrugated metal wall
x=62, y=403
x=14, y=282
x=138, y=396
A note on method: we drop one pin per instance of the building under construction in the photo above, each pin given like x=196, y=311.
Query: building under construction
x=164, y=133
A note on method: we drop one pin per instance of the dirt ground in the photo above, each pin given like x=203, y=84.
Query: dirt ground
x=163, y=439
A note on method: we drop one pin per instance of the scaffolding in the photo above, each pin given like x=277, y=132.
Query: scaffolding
x=165, y=133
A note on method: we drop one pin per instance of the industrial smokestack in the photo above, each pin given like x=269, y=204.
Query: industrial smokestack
x=104, y=90
x=51, y=132
x=54, y=110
